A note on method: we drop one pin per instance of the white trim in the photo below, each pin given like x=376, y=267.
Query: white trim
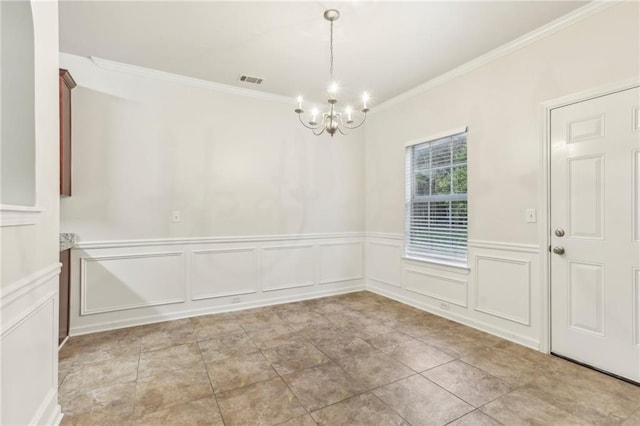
x=29, y=283
x=635, y=305
x=456, y=281
x=378, y=243
x=503, y=246
x=216, y=296
x=552, y=27
x=19, y=215
x=290, y=286
x=351, y=278
x=526, y=321
x=39, y=305
x=478, y=325
x=189, y=313
x=436, y=136
x=86, y=245
x=84, y=291
x=49, y=412
x=289, y=247
x=396, y=285
x=597, y=92
x=227, y=250
x=387, y=236
x=439, y=264
x=190, y=81
x=544, y=221
x=250, y=250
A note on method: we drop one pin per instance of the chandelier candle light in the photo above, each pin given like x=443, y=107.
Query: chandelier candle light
x=332, y=120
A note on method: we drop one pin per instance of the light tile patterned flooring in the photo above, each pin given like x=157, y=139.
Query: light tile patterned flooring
x=355, y=359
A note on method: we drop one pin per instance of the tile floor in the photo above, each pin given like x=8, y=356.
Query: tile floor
x=355, y=359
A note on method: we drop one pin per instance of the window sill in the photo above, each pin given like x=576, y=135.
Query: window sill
x=440, y=264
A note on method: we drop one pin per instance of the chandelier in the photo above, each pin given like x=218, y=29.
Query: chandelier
x=332, y=120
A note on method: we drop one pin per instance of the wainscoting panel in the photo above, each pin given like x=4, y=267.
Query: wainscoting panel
x=224, y=272
x=286, y=267
x=494, y=293
x=636, y=305
x=384, y=262
x=340, y=262
x=437, y=286
x=29, y=350
x=503, y=288
x=127, y=281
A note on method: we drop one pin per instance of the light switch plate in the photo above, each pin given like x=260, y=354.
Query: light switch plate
x=176, y=216
x=531, y=215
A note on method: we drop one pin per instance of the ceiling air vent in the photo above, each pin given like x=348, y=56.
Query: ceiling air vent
x=250, y=79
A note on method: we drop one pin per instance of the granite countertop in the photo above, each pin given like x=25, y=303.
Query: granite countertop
x=67, y=240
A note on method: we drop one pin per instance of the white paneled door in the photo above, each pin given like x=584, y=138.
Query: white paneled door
x=595, y=232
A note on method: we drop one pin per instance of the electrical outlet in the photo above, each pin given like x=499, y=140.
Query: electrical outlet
x=235, y=300
x=444, y=305
x=531, y=215
x=176, y=216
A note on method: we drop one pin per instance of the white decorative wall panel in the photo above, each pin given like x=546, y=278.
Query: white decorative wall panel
x=585, y=129
x=384, y=262
x=503, y=288
x=28, y=358
x=224, y=272
x=124, y=283
x=636, y=196
x=585, y=197
x=118, y=282
x=586, y=297
x=287, y=267
x=636, y=119
x=339, y=262
x=636, y=305
x=441, y=287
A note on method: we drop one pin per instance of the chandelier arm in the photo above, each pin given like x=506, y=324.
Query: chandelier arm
x=340, y=130
x=355, y=126
x=310, y=127
x=319, y=133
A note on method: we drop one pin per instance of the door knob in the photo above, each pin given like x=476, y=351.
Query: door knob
x=558, y=250
x=559, y=232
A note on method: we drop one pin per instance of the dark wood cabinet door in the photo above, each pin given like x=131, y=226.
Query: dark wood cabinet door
x=63, y=324
x=66, y=83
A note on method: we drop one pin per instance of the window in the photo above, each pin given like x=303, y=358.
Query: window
x=436, y=199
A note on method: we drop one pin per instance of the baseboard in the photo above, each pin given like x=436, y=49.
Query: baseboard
x=50, y=412
x=106, y=326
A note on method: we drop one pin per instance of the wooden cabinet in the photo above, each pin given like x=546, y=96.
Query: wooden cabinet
x=65, y=284
x=66, y=83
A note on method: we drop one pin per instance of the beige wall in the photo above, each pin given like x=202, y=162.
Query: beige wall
x=233, y=165
x=500, y=103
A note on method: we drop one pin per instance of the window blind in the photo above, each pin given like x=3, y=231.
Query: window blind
x=436, y=199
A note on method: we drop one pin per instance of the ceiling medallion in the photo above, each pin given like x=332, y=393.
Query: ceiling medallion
x=332, y=120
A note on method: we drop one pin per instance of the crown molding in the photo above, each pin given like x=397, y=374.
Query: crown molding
x=190, y=81
x=546, y=30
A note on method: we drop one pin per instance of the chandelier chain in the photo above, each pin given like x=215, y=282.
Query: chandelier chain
x=331, y=52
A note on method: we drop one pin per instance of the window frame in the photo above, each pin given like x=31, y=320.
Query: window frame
x=426, y=256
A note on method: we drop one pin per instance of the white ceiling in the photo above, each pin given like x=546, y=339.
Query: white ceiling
x=386, y=48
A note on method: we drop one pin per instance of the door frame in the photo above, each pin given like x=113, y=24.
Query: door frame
x=544, y=196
